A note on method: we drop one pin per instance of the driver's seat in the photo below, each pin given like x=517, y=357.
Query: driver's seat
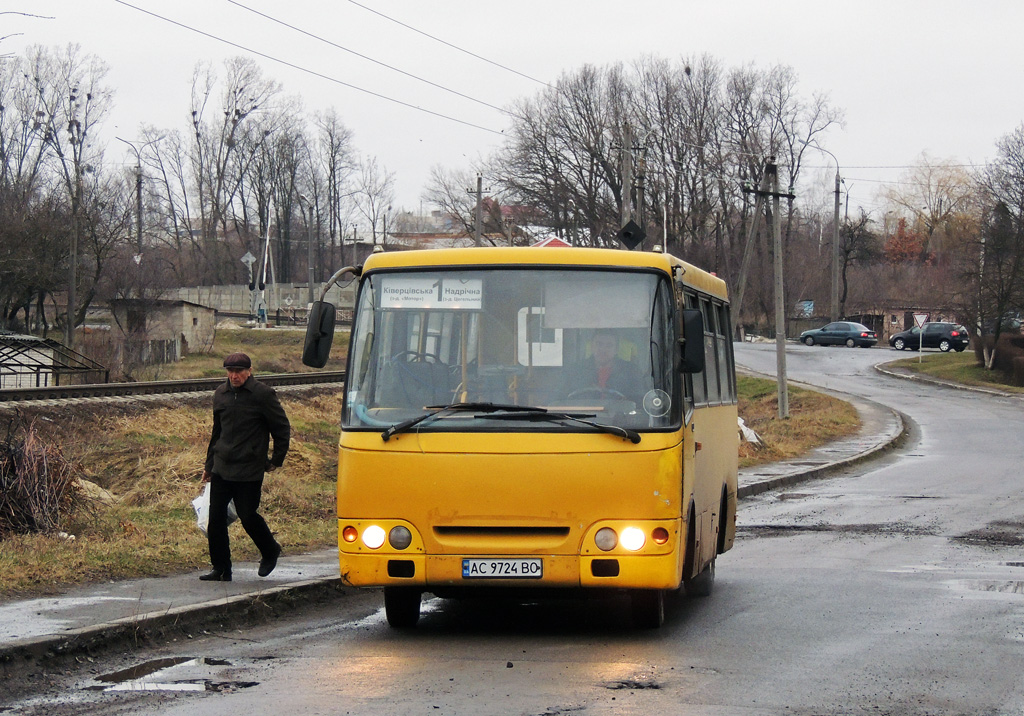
x=416, y=384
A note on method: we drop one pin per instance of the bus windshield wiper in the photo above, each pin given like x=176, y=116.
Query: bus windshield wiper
x=541, y=414
x=453, y=407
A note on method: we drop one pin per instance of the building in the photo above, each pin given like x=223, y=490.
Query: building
x=162, y=331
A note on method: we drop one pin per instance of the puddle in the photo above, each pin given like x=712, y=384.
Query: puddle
x=152, y=676
x=145, y=669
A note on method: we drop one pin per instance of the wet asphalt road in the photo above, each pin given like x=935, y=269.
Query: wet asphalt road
x=895, y=588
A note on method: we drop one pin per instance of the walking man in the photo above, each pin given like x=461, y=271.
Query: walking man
x=246, y=413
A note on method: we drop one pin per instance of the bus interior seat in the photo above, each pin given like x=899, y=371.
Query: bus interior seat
x=417, y=384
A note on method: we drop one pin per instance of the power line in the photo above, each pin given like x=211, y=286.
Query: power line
x=454, y=47
x=307, y=70
x=897, y=166
x=369, y=59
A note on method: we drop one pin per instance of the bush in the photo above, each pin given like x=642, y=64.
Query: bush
x=38, y=486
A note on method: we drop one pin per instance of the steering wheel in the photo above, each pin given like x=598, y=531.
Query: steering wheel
x=597, y=392
x=417, y=357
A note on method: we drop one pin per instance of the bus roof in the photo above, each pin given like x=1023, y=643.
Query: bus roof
x=544, y=256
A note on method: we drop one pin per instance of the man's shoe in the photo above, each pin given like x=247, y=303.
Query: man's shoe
x=217, y=575
x=267, y=564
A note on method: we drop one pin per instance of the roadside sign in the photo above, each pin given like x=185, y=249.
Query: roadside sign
x=919, y=320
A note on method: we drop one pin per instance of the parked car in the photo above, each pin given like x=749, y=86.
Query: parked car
x=840, y=333
x=938, y=334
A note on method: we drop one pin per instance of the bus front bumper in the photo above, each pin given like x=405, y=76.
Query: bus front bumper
x=618, y=571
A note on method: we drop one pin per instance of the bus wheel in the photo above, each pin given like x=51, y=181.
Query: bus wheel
x=702, y=584
x=648, y=607
x=402, y=606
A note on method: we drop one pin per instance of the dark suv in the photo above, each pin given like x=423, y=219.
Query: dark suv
x=941, y=335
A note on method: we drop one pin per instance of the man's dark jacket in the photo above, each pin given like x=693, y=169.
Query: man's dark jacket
x=243, y=422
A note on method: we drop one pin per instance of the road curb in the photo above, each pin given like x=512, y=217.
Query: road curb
x=894, y=373
x=832, y=467
x=27, y=656
x=756, y=488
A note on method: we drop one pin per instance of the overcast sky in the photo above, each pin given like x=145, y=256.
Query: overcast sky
x=936, y=76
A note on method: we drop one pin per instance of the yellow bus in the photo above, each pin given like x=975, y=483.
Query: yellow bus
x=534, y=419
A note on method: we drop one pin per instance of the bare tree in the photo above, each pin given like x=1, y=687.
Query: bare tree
x=376, y=193
x=993, y=264
x=934, y=195
x=217, y=134
x=858, y=245
x=73, y=100
x=336, y=166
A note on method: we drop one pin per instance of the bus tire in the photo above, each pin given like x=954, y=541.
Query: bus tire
x=402, y=606
x=648, y=608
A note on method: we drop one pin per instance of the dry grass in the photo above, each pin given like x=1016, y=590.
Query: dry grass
x=273, y=350
x=814, y=419
x=151, y=462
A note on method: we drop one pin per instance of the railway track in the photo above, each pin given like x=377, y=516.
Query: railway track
x=157, y=387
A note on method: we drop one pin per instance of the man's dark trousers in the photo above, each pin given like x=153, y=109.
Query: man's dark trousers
x=246, y=494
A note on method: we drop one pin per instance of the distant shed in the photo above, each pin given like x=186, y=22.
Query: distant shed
x=177, y=327
x=33, y=362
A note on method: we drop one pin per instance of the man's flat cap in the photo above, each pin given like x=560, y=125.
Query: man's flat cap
x=237, y=360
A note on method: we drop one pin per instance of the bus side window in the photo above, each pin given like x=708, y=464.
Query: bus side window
x=700, y=392
x=711, y=368
x=726, y=359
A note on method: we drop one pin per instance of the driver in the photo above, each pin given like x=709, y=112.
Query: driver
x=604, y=371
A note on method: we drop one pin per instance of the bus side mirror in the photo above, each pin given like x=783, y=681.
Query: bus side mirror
x=692, y=342
x=319, y=334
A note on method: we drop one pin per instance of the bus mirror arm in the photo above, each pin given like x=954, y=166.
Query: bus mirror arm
x=354, y=270
x=691, y=344
x=320, y=324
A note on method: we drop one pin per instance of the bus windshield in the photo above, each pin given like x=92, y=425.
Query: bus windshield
x=513, y=350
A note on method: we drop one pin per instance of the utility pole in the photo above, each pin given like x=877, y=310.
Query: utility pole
x=748, y=249
x=138, y=191
x=780, y=299
x=627, y=175
x=835, y=253
x=478, y=224
x=76, y=202
x=309, y=245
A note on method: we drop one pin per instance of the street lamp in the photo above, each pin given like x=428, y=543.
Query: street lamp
x=835, y=241
x=138, y=191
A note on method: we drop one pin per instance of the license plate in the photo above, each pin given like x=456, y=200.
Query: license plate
x=502, y=568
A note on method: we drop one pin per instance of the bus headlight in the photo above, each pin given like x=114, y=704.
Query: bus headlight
x=633, y=538
x=606, y=539
x=373, y=536
x=400, y=537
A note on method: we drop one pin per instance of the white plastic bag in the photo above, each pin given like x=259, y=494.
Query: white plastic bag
x=202, y=507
